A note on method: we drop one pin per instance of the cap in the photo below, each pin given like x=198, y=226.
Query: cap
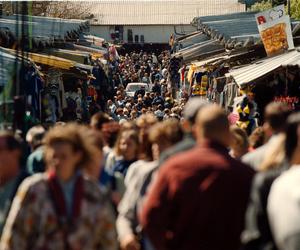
x=192, y=107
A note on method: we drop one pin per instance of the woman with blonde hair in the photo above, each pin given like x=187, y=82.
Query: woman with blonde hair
x=61, y=209
x=161, y=136
x=239, y=144
x=257, y=233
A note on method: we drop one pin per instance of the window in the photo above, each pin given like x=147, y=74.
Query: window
x=129, y=36
x=136, y=38
x=142, y=39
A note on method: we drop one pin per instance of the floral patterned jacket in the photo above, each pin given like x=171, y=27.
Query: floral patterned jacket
x=33, y=223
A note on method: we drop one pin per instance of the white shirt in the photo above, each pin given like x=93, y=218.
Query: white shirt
x=284, y=209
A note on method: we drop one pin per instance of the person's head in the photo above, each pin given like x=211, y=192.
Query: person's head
x=127, y=144
x=257, y=138
x=144, y=123
x=119, y=97
x=140, y=100
x=109, y=102
x=239, y=143
x=276, y=115
x=94, y=168
x=190, y=111
x=129, y=125
x=133, y=115
x=212, y=124
x=35, y=136
x=292, y=143
x=10, y=156
x=119, y=111
x=164, y=134
x=98, y=120
x=110, y=133
x=67, y=150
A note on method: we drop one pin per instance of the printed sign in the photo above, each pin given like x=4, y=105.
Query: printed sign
x=275, y=30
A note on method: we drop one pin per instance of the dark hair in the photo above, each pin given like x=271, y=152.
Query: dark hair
x=276, y=115
x=11, y=142
x=98, y=120
x=291, y=141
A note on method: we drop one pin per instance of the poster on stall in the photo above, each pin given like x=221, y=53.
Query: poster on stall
x=275, y=30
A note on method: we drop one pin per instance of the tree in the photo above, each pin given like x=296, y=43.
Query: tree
x=265, y=5
x=61, y=9
x=295, y=9
x=68, y=9
x=262, y=6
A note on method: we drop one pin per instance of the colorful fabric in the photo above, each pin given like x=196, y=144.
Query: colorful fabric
x=33, y=222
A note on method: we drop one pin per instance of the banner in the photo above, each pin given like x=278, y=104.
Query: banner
x=275, y=30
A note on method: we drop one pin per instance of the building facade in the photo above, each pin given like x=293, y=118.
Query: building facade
x=152, y=21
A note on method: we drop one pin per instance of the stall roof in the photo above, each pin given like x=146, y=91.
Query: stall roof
x=41, y=26
x=238, y=26
x=223, y=57
x=247, y=74
x=205, y=48
x=52, y=61
x=99, y=50
x=191, y=40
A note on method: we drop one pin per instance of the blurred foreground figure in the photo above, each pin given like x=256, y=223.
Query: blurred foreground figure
x=199, y=198
x=61, y=209
x=283, y=202
x=10, y=172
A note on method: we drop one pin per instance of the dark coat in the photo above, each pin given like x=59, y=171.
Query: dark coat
x=198, y=201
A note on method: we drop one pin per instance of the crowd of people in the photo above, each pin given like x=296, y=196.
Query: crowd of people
x=152, y=172
x=155, y=96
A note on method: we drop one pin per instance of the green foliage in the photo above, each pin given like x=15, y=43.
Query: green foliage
x=295, y=9
x=262, y=6
x=267, y=4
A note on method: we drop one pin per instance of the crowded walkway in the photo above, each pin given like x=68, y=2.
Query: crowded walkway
x=157, y=169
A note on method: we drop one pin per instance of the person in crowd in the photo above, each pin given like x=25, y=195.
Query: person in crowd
x=207, y=176
x=144, y=123
x=146, y=79
x=256, y=139
x=93, y=170
x=147, y=100
x=49, y=210
x=156, y=88
x=35, y=161
x=158, y=100
x=11, y=174
x=126, y=151
x=283, y=200
x=257, y=233
x=111, y=107
x=239, y=143
x=141, y=92
x=275, y=120
x=162, y=136
x=190, y=111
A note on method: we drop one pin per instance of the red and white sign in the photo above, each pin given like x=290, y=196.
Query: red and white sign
x=275, y=30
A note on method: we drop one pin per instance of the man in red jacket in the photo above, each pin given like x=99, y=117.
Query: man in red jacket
x=199, y=198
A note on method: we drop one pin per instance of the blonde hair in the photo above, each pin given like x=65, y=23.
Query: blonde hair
x=131, y=134
x=146, y=120
x=275, y=154
x=74, y=135
x=240, y=136
x=167, y=131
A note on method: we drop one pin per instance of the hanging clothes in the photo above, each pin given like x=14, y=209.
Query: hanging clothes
x=55, y=88
x=33, y=87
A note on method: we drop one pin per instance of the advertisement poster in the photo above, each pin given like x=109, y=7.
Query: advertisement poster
x=275, y=30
